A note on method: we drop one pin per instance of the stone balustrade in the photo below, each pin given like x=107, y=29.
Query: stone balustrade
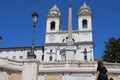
x=69, y=66
x=77, y=66
x=57, y=66
x=10, y=64
x=113, y=67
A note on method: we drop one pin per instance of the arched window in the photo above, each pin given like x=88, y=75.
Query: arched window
x=84, y=23
x=52, y=25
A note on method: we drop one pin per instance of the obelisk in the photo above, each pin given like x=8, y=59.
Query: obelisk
x=70, y=41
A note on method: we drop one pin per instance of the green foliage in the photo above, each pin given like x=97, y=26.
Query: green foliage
x=112, y=50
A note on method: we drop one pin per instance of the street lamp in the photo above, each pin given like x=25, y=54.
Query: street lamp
x=31, y=54
x=35, y=18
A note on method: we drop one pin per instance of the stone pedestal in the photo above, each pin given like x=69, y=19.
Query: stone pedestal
x=3, y=75
x=67, y=77
x=30, y=69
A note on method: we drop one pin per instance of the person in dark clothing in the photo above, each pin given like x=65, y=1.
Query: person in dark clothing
x=111, y=78
x=102, y=73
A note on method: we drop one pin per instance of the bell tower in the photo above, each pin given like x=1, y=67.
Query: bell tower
x=54, y=20
x=85, y=24
x=84, y=18
x=52, y=37
x=85, y=32
x=53, y=23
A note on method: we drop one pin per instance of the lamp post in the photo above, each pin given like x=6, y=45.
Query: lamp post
x=31, y=54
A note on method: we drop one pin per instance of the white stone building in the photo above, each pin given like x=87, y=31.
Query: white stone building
x=66, y=55
x=56, y=47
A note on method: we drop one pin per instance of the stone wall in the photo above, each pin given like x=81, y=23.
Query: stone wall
x=15, y=76
x=18, y=76
x=53, y=77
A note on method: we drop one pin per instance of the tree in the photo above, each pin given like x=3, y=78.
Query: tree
x=112, y=50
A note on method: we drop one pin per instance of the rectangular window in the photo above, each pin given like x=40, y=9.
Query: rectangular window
x=85, y=57
x=50, y=58
x=42, y=57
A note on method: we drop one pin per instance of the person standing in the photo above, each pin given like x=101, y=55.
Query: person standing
x=102, y=73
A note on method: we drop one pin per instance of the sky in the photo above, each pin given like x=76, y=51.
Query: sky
x=16, y=21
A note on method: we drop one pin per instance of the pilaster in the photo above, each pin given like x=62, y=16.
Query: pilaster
x=30, y=69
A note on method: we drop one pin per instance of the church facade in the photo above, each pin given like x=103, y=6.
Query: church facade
x=56, y=47
x=56, y=40
x=66, y=55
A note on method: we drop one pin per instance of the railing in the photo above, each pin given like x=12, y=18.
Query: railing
x=69, y=66
x=113, y=67
x=11, y=64
x=80, y=66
